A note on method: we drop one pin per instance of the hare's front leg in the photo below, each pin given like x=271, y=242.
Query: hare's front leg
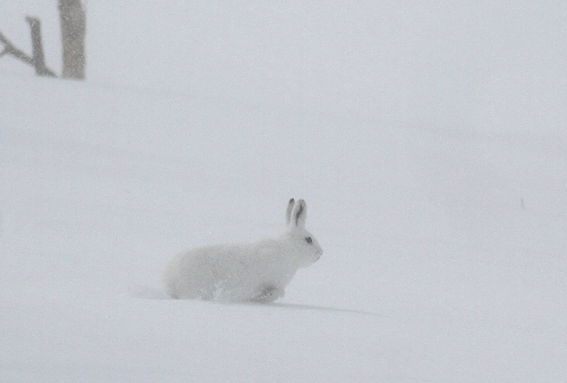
x=268, y=293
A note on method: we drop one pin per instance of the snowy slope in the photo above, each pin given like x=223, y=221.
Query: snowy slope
x=442, y=210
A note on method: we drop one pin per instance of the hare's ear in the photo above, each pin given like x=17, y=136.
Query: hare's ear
x=299, y=214
x=290, y=205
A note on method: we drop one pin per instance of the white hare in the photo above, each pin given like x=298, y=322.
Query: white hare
x=257, y=271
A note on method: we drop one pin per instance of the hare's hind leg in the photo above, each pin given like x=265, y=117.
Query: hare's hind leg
x=178, y=290
x=171, y=290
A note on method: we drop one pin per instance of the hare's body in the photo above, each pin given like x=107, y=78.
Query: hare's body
x=257, y=271
x=229, y=272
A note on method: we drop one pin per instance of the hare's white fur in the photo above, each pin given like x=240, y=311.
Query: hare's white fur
x=257, y=271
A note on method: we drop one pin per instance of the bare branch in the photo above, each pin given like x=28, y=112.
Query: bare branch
x=37, y=61
x=37, y=46
x=12, y=50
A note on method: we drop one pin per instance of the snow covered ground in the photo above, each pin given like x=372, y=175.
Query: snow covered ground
x=428, y=140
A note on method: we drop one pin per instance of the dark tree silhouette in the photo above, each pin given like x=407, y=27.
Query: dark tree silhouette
x=73, y=31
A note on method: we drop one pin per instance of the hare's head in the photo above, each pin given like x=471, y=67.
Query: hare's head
x=305, y=245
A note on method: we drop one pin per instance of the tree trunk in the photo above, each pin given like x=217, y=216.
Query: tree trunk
x=73, y=31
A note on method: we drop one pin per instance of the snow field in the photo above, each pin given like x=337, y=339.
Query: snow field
x=434, y=169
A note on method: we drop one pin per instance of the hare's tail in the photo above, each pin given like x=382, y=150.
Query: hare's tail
x=147, y=292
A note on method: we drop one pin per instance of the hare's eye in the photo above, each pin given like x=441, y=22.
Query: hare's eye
x=308, y=240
